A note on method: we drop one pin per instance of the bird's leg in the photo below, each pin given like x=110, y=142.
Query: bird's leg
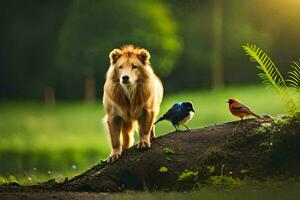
x=242, y=121
x=175, y=127
x=187, y=128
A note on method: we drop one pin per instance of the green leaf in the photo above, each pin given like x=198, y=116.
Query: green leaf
x=294, y=79
x=270, y=75
x=294, y=75
x=163, y=170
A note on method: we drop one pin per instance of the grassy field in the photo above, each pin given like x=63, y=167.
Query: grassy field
x=286, y=191
x=63, y=140
x=265, y=192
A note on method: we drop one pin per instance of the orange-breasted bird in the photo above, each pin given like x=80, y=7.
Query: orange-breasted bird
x=240, y=110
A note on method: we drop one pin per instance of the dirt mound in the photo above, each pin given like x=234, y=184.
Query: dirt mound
x=253, y=148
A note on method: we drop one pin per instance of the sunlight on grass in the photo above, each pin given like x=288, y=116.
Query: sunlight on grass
x=211, y=108
x=266, y=193
x=71, y=133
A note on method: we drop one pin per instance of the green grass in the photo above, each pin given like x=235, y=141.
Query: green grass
x=211, y=108
x=282, y=190
x=266, y=193
x=70, y=134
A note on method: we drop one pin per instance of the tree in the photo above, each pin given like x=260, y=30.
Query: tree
x=217, y=53
x=93, y=28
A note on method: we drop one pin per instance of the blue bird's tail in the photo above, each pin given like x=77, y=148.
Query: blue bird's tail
x=160, y=119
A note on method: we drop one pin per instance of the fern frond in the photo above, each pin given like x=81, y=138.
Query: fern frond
x=294, y=75
x=270, y=75
x=294, y=79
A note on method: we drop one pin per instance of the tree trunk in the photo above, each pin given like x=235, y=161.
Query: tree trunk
x=90, y=89
x=49, y=96
x=217, y=57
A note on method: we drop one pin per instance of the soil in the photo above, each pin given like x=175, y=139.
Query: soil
x=54, y=196
x=177, y=161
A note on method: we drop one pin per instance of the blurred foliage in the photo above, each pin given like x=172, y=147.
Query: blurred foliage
x=28, y=45
x=41, y=48
x=93, y=28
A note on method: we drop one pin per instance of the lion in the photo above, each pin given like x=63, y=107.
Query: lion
x=132, y=95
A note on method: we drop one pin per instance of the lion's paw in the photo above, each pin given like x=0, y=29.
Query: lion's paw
x=143, y=145
x=112, y=158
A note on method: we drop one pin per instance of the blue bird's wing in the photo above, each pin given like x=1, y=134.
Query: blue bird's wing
x=172, y=112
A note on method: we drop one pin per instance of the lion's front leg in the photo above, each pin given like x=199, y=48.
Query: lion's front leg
x=114, y=126
x=145, y=126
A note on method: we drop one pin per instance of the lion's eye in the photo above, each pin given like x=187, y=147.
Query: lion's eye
x=134, y=66
x=121, y=67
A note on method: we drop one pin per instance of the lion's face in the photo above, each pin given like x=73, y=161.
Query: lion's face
x=129, y=64
x=128, y=70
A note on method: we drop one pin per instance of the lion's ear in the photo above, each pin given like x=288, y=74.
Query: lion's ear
x=143, y=56
x=114, y=55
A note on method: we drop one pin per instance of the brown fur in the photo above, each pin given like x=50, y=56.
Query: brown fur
x=126, y=104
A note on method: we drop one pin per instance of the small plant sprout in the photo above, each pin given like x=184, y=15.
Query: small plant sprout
x=222, y=170
x=168, y=150
x=210, y=169
x=188, y=175
x=163, y=170
x=169, y=159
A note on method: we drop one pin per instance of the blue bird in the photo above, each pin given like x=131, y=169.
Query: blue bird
x=179, y=113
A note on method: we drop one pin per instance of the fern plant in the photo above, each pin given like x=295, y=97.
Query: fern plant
x=271, y=76
x=294, y=75
x=294, y=78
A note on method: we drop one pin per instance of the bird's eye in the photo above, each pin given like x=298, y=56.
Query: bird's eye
x=134, y=66
x=120, y=67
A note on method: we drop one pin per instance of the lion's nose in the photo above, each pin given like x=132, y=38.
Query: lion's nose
x=125, y=78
